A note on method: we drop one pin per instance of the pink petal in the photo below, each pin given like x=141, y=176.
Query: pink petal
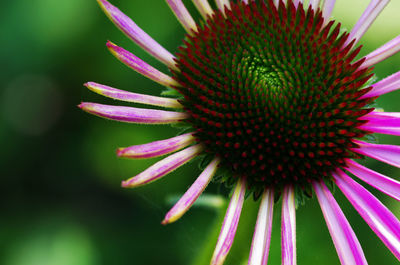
x=157, y=148
x=183, y=15
x=374, y=8
x=389, y=154
x=262, y=234
x=346, y=243
x=382, y=130
x=231, y=221
x=141, y=38
x=140, y=66
x=377, y=118
x=378, y=217
x=288, y=232
x=327, y=8
x=381, y=182
x=204, y=8
x=296, y=3
x=387, y=50
x=384, y=86
x=133, y=97
x=382, y=122
x=314, y=4
x=221, y=5
x=163, y=167
x=191, y=195
x=133, y=115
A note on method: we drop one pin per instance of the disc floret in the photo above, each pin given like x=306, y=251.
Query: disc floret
x=274, y=92
x=275, y=99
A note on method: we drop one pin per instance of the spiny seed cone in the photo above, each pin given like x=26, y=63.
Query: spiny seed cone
x=273, y=92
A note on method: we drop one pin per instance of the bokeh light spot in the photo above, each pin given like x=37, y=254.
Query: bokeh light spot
x=64, y=244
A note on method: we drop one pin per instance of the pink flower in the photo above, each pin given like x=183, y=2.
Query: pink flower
x=275, y=101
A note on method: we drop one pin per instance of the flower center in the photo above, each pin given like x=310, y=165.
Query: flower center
x=273, y=92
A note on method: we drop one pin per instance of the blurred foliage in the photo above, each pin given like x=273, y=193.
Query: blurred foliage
x=61, y=202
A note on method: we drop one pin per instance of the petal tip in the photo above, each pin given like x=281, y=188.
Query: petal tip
x=111, y=45
x=87, y=106
x=95, y=87
x=115, y=50
x=125, y=184
x=89, y=84
x=83, y=106
x=130, y=183
x=120, y=151
x=171, y=218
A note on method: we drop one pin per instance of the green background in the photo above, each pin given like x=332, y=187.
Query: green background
x=60, y=196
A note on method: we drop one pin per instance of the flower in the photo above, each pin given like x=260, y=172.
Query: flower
x=276, y=103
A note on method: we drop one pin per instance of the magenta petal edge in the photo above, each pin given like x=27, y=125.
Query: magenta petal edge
x=378, y=217
x=346, y=243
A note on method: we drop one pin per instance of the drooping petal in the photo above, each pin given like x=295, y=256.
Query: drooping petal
x=327, y=8
x=133, y=115
x=382, y=122
x=384, y=86
x=141, y=38
x=378, y=118
x=157, y=148
x=140, y=66
x=204, y=8
x=288, y=227
x=314, y=4
x=381, y=182
x=374, y=8
x=221, y=5
x=191, y=195
x=133, y=97
x=346, y=243
x=387, y=50
x=262, y=234
x=383, y=129
x=377, y=216
x=389, y=154
x=183, y=15
x=230, y=224
x=163, y=167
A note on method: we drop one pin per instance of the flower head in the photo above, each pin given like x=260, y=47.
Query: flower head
x=273, y=97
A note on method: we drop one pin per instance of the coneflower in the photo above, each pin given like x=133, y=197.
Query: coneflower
x=277, y=104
